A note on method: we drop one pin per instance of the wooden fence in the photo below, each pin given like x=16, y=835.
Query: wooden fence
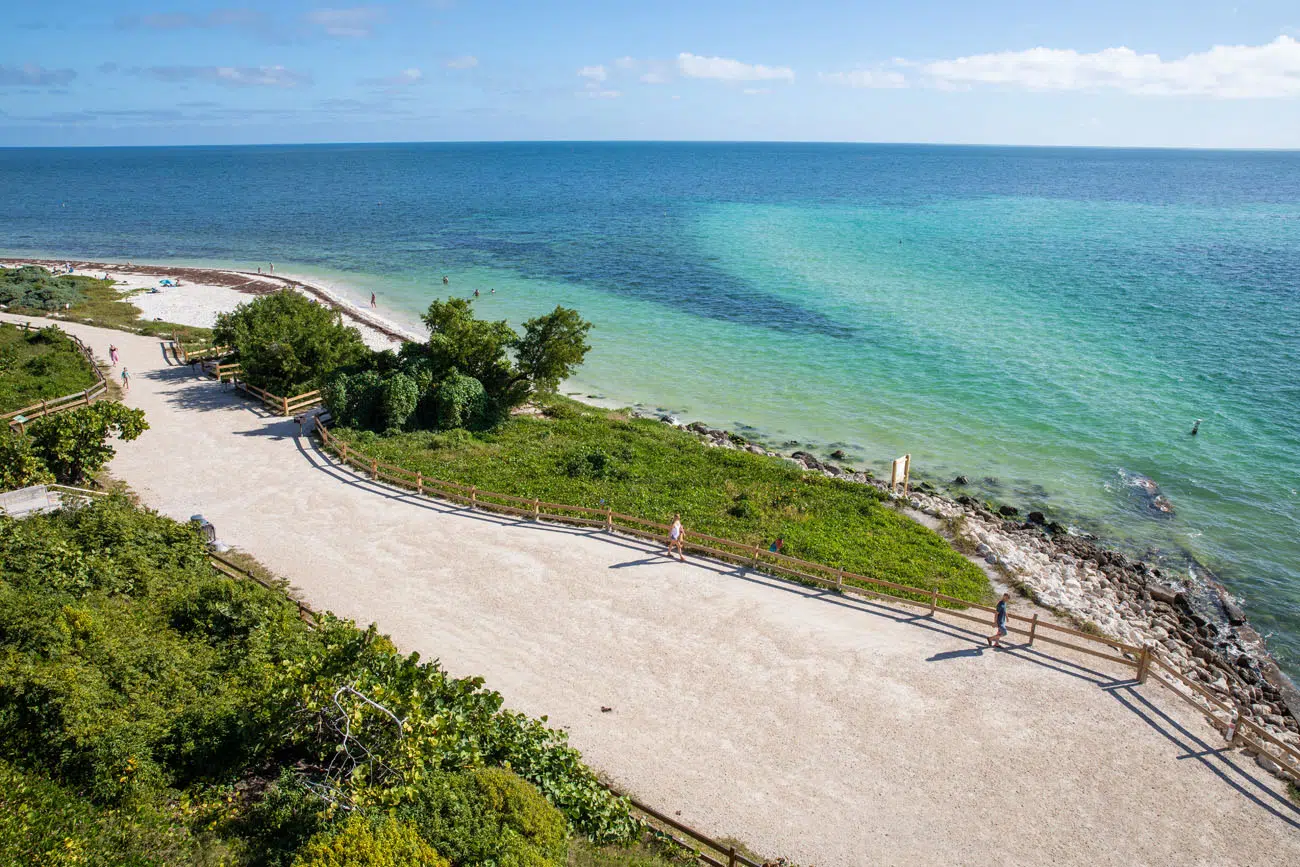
x=229, y=371
x=20, y=418
x=1143, y=660
x=705, y=849
x=200, y=353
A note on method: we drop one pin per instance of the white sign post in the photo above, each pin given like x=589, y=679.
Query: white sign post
x=901, y=474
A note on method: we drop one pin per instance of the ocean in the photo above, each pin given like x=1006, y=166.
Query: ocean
x=1048, y=322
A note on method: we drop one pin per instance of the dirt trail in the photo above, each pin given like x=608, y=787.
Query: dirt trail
x=831, y=731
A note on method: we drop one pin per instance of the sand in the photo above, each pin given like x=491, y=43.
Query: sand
x=827, y=730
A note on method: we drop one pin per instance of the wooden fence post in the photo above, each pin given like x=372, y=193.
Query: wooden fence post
x=1033, y=629
x=731, y=857
x=419, y=482
x=374, y=468
x=473, y=496
x=343, y=455
x=609, y=520
x=839, y=580
x=284, y=403
x=45, y=407
x=1144, y=664
x=87, y=394
x=1233, y=734
x=934, y=599
x=754, y=563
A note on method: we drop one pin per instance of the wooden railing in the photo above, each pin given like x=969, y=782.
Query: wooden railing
x=20, y=418
x=230, y=371
x=705, y=849
x=184, y=355
x=1143, y=660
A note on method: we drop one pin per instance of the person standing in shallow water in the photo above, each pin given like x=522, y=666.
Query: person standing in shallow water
x=675, y=534
x=1000, y=622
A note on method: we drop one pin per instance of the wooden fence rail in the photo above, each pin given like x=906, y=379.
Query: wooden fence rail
x=704, y=848
x=18, y=419
x=1143, y=660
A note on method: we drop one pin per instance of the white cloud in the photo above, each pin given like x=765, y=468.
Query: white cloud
x=469, y=61
x=1264, y=71
x=232, y=76
x=626, y=63
x=402, y=79
x=594, y=73
x=654, y=77
x=601, y=94
x=725, y=69
x=756, y=91
x=355, y=22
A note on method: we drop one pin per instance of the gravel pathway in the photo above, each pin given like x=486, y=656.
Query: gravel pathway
x=830, y=731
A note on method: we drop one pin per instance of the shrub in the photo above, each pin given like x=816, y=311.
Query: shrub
x=397, y=401
x=488, y=816
x=20, y=465
x=74, y=444
x=285, y=343
x=362, y=842
x=33, y=286
x=461, y=402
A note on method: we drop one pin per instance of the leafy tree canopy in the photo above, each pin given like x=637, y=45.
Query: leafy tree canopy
x=74, y=444
x=285, y=343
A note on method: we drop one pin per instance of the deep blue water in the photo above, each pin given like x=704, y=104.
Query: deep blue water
x=1050, y=318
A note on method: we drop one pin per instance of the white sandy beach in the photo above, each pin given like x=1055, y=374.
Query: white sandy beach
x=832, y=731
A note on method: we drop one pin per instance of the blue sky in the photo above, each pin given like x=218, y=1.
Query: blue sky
x=132, y=72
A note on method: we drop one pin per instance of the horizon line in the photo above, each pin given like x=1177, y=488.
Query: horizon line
x=611, y=141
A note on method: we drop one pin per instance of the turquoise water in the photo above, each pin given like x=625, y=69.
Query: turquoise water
x=1052, y=320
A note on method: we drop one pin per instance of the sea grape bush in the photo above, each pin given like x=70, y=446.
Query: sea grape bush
x=469, y=374
x=136, y=680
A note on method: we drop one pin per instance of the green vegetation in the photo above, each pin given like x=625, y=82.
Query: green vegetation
x=284, y=343
x=153, y=711
x=94, y=301
x=39, y=365
x=469, y=375
x=67, y=447
x=579, y=455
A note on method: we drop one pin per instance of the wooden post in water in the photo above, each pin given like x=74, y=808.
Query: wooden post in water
x=1033, y=629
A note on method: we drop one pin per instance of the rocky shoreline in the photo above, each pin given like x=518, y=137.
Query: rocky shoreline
x=1196, y=626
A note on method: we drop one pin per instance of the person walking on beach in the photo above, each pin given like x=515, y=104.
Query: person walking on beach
x=1000, y=622
x=126, y=380
x=675, y=534
x=372, y=300
x=112, y=354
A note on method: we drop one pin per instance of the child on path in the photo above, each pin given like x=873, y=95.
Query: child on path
x=112, y=354
x=1000, y=622
x=126, y=380
x=675, y=534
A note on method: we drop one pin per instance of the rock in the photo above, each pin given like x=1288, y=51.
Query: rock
x=1167, y=595
x=699, y=427
x=1233, y=613
x=758, y=450
x=961, y=480
x=983, y=550
x=832, y=469
x=838, y=455
x=1266, y=764
x=807, y=460
x=1037, y=518
x=1008, y=511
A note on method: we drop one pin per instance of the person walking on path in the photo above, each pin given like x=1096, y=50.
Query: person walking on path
x=675, y=534
x=1000, y=622
x=126, y=380
x=112, y=354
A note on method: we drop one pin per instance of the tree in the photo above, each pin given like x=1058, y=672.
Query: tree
x=550, y=349
x=74, y=444
x=285, y=343
x=19, y=465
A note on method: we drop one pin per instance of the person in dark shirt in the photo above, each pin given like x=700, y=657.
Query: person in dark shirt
x=1000, y=622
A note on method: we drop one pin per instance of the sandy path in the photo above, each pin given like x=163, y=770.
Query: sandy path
x=831, y=731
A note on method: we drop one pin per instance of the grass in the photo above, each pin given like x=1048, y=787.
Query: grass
x=39, y=365
x=578, y=455
x=644, y=854
x=98, y=302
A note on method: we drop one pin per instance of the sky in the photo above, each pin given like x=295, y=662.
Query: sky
x=1104, y=73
